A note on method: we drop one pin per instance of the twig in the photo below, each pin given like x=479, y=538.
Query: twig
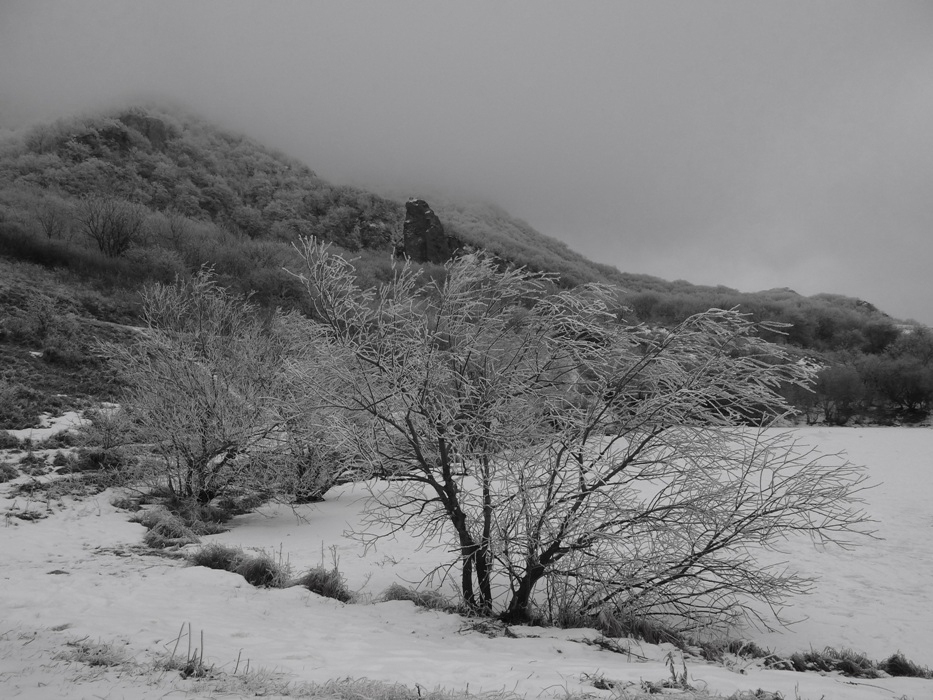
x=177, y=641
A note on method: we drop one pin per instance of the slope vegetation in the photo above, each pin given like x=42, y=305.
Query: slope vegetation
x=142, y=194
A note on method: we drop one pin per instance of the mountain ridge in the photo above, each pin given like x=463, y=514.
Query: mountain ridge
x=264, y=176
x=109, y=202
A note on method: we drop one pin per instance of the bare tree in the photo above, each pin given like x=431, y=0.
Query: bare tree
x=202, y=385
x=114, y=225
x=556, y=449
x=54, y=217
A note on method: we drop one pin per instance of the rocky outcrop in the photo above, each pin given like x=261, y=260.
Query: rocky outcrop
x=153, y=128
x=424, y=238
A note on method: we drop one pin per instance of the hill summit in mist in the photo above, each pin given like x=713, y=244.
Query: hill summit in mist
x=185, y=172
x=177, y=164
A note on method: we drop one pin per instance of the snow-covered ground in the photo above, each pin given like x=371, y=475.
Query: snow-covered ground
x=48, y=426
x=877, y=598
x=80, y=574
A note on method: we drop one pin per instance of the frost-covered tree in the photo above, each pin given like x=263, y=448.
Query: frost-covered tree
x=113, y=225
x=202, y=385
x=569, y=459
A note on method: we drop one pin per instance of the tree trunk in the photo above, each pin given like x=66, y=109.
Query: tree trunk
x=466, y=575
x=474, y=558
x=519, y=607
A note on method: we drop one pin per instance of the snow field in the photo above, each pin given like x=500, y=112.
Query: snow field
x=875, y=599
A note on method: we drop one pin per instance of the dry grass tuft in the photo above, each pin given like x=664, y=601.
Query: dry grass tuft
x=165, y=529
x=263, y=571
x=845, y=661
x=899, y=665
x=432, y=600
x=260, y=570
x=93, y=653
x=325, y=582
x=216, y=556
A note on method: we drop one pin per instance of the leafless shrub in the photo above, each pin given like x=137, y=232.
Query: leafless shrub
x=113, y=225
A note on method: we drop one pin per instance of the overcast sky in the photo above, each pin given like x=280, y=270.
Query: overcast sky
x=750, y=144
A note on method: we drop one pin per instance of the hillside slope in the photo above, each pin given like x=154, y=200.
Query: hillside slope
x=142, y=194
x=179, y=165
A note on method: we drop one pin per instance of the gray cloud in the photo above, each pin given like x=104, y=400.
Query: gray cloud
x=747, y=144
